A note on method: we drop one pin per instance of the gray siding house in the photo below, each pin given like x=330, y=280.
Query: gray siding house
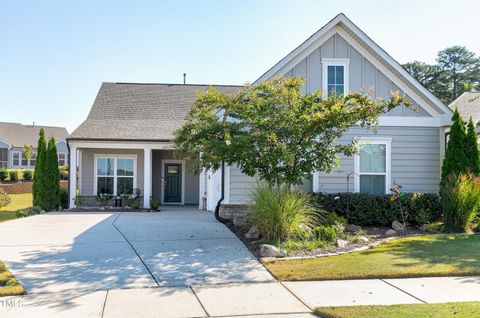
x=13, y=136
x=126, y=140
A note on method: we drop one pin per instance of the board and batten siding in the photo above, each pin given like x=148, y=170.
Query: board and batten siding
x=363, y=75
x=87, y=171
x=415, y=160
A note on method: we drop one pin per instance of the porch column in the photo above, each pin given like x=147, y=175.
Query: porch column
x=72, y=170
x=147, y=177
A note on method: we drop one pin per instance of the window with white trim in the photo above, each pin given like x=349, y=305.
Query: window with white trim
x=62, y=159
x=335, y=76
x=16, y=158
x=115, y=175
x=33, y=159
x=372, y=166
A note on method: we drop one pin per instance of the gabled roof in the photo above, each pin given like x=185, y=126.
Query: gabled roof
x=18, y=135
x=343, y=24
x=132, y=111
x=468, y=105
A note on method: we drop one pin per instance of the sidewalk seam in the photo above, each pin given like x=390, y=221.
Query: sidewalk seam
x=104, y=303
x=298, y=298
x=198, y=299
x=403, y=291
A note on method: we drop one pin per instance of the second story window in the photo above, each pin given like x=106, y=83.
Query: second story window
x=335, y=77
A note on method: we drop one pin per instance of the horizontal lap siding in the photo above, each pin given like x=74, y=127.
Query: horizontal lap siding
x=415, y=159
x=241, y=186
x=88, y=167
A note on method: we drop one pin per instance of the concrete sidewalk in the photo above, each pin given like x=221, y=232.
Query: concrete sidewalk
x=269, y=299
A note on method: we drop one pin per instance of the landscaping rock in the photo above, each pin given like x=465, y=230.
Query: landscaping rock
x=391, y=232
x=397, y=226
x=102, y=208
x=341, y=243
x=354, y=228
x=239, y=221
x=267, y=250
x=252, y=233
x=42, y=211
x=363, y=239
x=423, y=227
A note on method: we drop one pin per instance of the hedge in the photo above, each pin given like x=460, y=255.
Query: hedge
x=382, y=210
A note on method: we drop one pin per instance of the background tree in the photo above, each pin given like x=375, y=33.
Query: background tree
x=38, y=181
x=455, y=160
x=50, y=198
x=471, y=148
x=456, y=71
x=275, y=131
x=27, y=151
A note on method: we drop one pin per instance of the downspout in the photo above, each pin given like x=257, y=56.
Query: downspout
x=217, y=208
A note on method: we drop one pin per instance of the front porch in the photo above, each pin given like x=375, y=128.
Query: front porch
x=117, y=168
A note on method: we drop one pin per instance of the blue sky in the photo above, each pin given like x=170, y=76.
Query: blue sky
x=55, y=54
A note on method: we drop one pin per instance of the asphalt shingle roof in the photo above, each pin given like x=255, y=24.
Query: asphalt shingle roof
x=129, y=111
x=19, y=135
x=468, y=104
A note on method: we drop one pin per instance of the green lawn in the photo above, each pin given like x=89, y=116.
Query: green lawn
x=432, y=255
x=19, y=201
x=457, y=310
x=8, y=284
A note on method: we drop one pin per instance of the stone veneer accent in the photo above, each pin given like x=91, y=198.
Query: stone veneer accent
x=230, y=211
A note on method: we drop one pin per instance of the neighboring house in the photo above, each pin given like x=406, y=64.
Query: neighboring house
x=14, y=136
x=468, y=105
x=126, y=140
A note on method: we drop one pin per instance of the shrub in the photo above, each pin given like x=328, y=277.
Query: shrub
x=133, y=203
x=27, y=175
x=13, y=175
x=63, y=170
x=332, y=219
x=4, y=198
x=279, y=212
x=461, y=199
x=3, y=174
x=325, y=233
x=50, y=191
x=28, y=211
x=381, y=210
x=103, y=199
x=154, y=203
x=64, y=198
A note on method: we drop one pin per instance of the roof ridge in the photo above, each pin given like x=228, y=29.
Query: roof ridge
x=171, y=84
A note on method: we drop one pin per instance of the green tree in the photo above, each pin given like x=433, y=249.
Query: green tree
x=38, y=182
x=455, y=161
x=50, y=199
x=460, y=68
x=27, y=151
x=471, y=148
x=275, y=131
x=456, y=71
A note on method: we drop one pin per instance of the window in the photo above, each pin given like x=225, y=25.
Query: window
x=16, y=158
x=335, y=76
x=62, y=159
x=115, y=175
x=372, y=166
x=33, y=160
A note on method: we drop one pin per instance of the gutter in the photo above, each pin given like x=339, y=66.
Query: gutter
x=217, y=208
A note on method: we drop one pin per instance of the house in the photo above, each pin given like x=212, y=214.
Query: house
x=126, y=140
x=468, y=105
x=14, y=136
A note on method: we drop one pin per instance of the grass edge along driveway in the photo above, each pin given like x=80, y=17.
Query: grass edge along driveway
x=446, y=310
x=19, y=201
x=419, y=256
x=9, y=286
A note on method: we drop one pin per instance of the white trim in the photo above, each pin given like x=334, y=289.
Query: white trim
x=326, y=62
x=122, y=145
x=332, y=27
x=80, y=164
x=388, y=161
x=316, y=182
x=147, y=177
x=162, y=187
x=72, y=170
x=410, y=121
x=226, y=193
x=115, y=157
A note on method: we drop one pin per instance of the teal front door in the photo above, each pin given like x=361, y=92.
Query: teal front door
x=173, y=183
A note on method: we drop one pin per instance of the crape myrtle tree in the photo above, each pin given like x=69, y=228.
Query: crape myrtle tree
x=275, y=131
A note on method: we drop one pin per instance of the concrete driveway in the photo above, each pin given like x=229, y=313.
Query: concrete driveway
x=180, y=246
